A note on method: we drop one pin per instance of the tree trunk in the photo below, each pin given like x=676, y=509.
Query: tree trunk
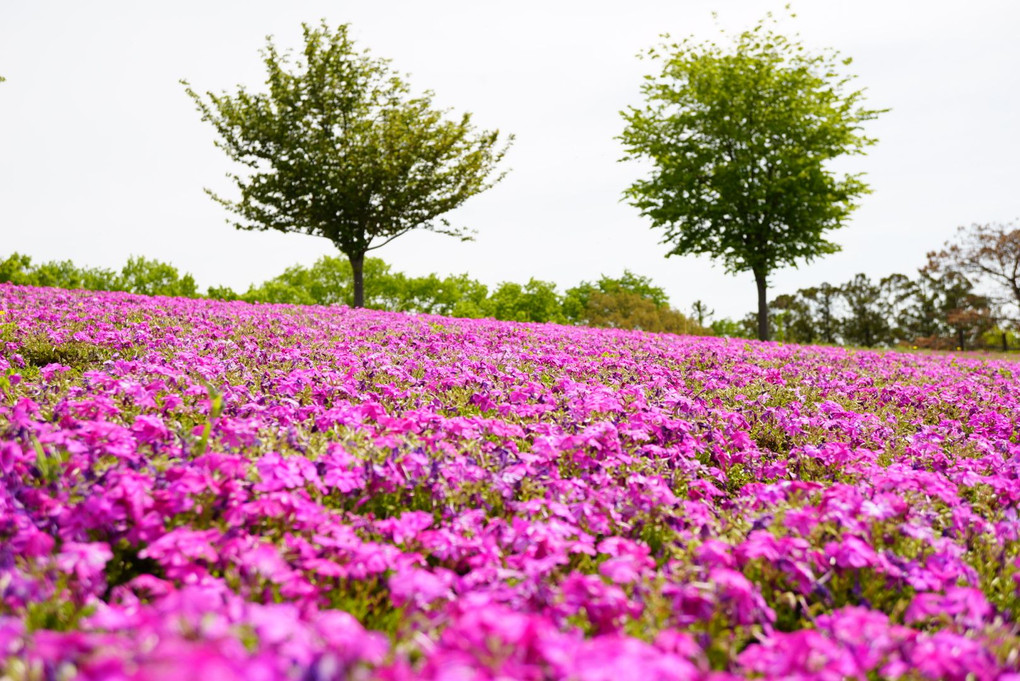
x=959, y=333
x=358, y=271
x=763, y=305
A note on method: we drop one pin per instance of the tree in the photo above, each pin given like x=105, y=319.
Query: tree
x=15, y=269
x=701, y=312
x=452, y=296
x=727, y=328
x=867, y=321
x=329, y=281
x=629, y=310
x=575, y=299
x=19, y=269
x=279, y=292
x=822, y=301
x=794, y=321
x=740, y=141
x=536, y=301
x=970, y=320
x=339, y=148
x=897, y=292
x=939, y=308
x=989, y=252
x=154, y=278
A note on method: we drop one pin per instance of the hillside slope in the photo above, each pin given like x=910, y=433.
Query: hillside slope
x=222, y=490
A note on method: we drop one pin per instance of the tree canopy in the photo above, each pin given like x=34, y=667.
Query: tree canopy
x=139, y=275
x=338, y=147
x=740, y=138
x=991, y=254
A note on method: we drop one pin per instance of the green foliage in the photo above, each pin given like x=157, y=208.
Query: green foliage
x=154, y=278
x=222, y=293
x=727, y=328
x=575, y=300
x=38, y=351
x=867, y=322
x=626, y=310
x=15, y=269
x=126, y=564
x=19, y=269
x=822, y=302
x=792, y=320
x=939, y=309
x=701, y=312
x=741, y=138
x=339, y=148
x=454, y=295
x=330, y=281
x=327, y=282
x=1002, y=339
x=629, y=302
x=536, y=301
x=139, y=275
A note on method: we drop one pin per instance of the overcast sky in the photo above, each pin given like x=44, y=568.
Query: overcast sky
x=102, y=155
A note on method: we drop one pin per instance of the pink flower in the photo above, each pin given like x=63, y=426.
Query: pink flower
x=420, y=587
x=963, y=604
x=851, y=552
x=149, y=428
x=85, y=561
x=745, y=603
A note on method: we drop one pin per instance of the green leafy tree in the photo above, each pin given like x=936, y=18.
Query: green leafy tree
x=339, y=148
x=794, y=318
x=280, y=292
x=154, y=278
x=16, y=269
x=899, y=293
x=631, y=301
x=455, y=295
x=58, y=274
x=727, y=328
x=867, y=320
x=823, y=302
x=938, y=309
x=749, y=326
x=222, y=293
x=329, y=281
x=630, y=310
x=536, y=301
x=575, y=299
x=466, y=298
x=741, y=138
x=19, y=269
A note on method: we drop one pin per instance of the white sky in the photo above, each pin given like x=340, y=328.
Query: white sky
x=102, y=155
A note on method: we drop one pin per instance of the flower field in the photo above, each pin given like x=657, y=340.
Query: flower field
x=208, y=490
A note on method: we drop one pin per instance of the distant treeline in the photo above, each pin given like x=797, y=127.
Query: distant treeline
x=939, y=310
x=936, y=309
x=627, y=302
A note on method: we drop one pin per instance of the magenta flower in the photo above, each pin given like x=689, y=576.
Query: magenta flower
x=85, y=561
x=403, y=497
x=963, y=604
